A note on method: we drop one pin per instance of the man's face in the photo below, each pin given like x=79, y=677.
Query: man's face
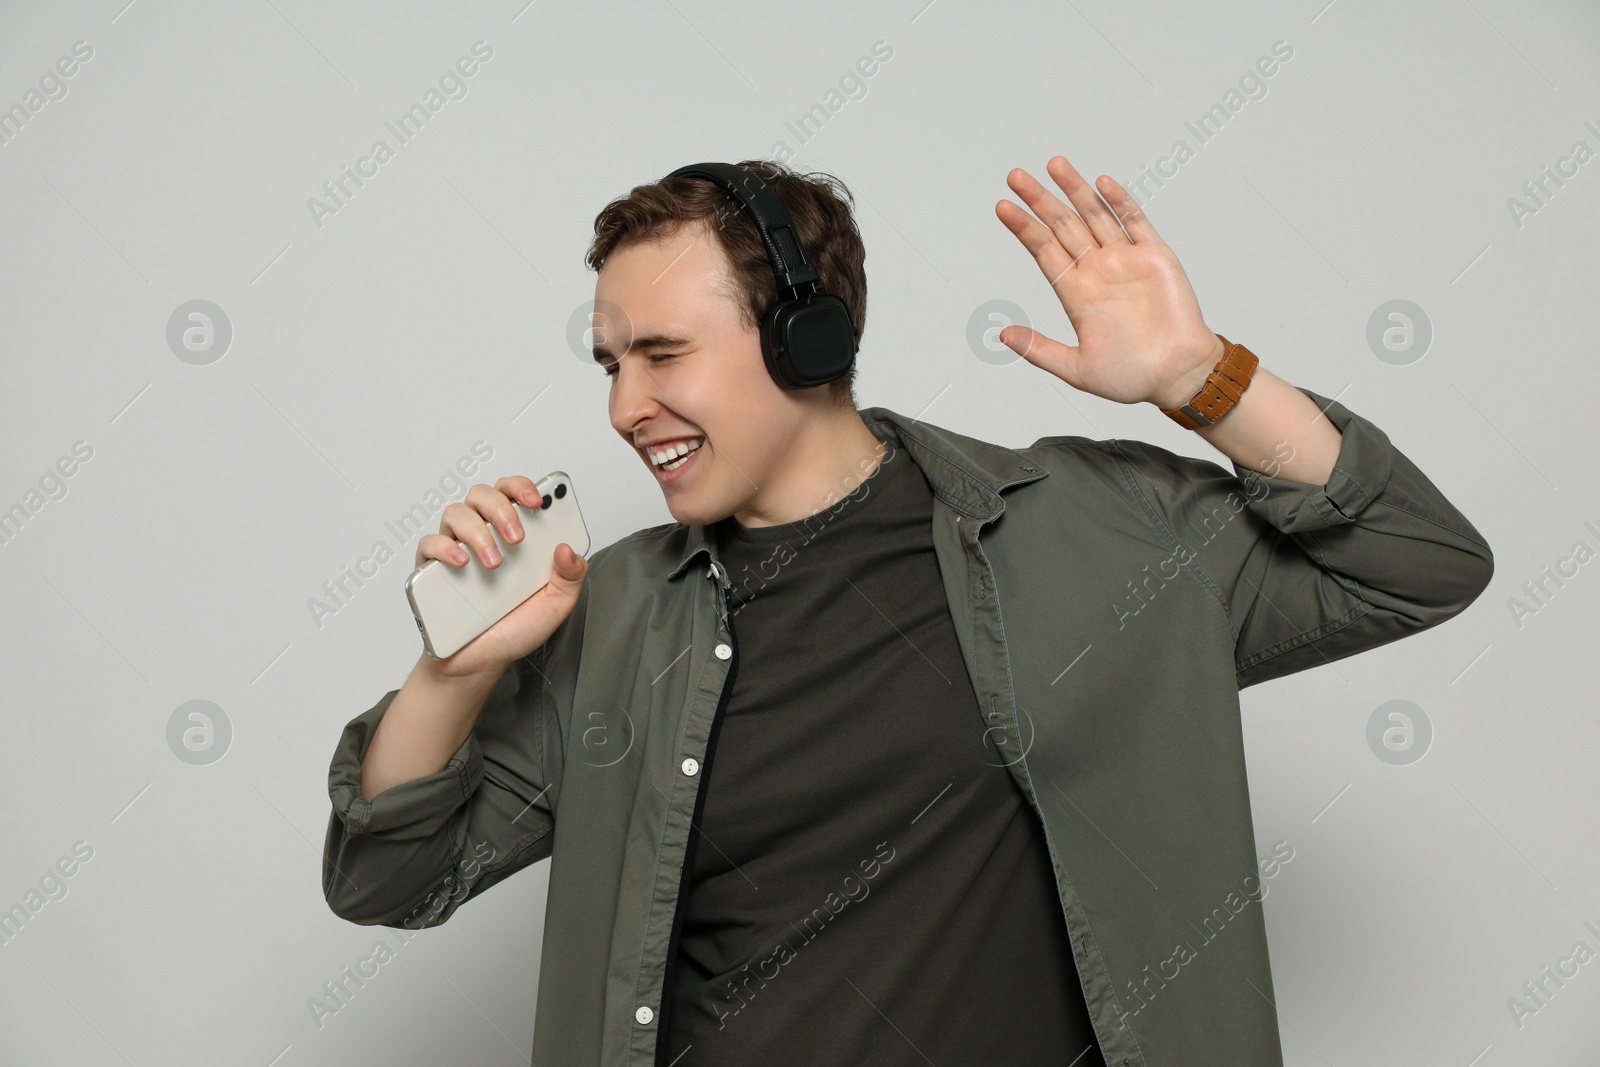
x=690, y=371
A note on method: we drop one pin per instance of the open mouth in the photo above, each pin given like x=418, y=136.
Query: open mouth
x=669, y=460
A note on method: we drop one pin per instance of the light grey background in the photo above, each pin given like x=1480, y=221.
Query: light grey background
x=431, y=312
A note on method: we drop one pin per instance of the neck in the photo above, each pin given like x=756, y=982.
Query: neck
x=823, y=464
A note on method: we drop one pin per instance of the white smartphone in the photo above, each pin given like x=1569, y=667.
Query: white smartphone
x=453, y=605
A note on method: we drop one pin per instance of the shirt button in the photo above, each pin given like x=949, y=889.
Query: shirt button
x=711, y=571
x=691, y=766
x=644, y=1014
x=723, y=651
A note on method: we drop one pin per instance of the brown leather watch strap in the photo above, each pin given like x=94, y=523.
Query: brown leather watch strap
x=1224, y=386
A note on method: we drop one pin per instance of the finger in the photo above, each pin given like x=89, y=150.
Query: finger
x=465, y=524
x=520, y=488
x=440, y=547
x=1037, y=238
x=1063, y=222
x=494, y=506
x=1102, y=223
x=1044, y=353
x=1129, y=213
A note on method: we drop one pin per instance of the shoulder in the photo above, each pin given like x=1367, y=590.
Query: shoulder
x=651, y=550
x=1146, y=474
x=1120, y=456
x=1116, y=451
x=617, y=574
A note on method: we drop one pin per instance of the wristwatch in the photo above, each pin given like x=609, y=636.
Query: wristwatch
x=1224, y=386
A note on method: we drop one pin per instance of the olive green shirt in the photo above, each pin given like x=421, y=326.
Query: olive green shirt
x=1110, y=599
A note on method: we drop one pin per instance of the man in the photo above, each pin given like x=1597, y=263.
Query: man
x=896, y=746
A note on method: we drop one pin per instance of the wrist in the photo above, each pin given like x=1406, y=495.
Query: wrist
x=1220, y=387
x=1183, y=390
x=457, y=675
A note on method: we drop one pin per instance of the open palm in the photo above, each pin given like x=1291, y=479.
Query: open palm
x=1141, y=336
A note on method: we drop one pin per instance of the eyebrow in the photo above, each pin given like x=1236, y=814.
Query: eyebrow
x=647, y=341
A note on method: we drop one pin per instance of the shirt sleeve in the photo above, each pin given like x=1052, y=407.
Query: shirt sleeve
x=1312, y=573
x=415, y=852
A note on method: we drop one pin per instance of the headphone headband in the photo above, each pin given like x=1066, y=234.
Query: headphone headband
x=771, y=218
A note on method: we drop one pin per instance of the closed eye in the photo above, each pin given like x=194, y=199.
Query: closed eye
x=610, y=369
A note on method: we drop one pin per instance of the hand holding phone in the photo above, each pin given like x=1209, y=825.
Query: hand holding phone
x=503, y=572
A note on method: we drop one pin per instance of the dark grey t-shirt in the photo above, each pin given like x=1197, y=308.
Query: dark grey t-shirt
x=868, y=885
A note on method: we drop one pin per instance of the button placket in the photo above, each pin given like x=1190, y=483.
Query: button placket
x=691, y=767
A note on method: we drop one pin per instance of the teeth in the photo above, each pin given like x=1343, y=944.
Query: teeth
x=672, y=465
x=682, y=448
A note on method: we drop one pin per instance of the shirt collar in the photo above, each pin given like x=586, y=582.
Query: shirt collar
x=964, y=472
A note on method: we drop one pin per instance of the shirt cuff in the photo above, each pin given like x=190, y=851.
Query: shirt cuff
x=417, y=808
x=1360, y=474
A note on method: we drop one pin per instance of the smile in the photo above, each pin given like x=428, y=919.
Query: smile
x=669, y=460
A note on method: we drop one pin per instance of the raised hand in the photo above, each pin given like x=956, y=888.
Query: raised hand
x=1140, y=333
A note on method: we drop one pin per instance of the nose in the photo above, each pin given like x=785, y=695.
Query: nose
x=633, y=397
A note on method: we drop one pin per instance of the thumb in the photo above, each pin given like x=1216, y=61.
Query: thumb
x=1043, y=352
x=570, y=569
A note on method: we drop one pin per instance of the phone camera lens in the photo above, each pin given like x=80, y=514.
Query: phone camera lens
x=544, y=501
x=561, y=490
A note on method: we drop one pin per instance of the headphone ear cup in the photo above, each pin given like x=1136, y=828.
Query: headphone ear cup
x=772, y=348
x=808, y=341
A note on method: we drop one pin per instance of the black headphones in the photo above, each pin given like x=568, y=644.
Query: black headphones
x=807, y=338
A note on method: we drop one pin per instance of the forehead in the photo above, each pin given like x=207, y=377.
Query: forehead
x=663, y=293
x=679, y=270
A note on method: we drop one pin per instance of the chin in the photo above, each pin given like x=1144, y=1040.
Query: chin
x=690, y=515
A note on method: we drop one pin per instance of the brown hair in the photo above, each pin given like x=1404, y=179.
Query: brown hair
x=819, y=205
